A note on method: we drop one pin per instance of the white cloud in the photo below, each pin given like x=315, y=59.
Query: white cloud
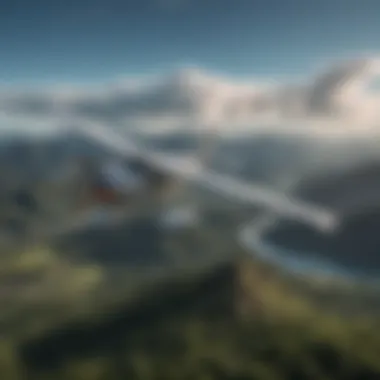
x=336, y=100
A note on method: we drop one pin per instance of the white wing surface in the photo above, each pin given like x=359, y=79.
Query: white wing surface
x=192, y=170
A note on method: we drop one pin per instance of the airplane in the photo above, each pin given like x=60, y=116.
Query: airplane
x=138, y=179
x=149, y=177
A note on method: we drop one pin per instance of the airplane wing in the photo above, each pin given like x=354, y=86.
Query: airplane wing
x=191, y=169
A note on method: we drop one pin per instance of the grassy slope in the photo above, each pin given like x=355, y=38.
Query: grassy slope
x=241, y=321
x=237, y=322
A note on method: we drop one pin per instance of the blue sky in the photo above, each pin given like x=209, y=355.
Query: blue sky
x=96, y=40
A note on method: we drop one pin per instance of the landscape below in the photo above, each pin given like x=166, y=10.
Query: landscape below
x=139, y=303
x=204, y=310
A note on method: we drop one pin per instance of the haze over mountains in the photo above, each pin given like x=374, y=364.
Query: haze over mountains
x=339, y=99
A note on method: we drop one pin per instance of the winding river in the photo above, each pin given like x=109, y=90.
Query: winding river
x=350, y=253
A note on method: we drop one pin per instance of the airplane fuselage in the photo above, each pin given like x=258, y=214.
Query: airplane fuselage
x=126, y=182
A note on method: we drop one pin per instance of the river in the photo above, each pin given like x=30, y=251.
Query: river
x=254, y=237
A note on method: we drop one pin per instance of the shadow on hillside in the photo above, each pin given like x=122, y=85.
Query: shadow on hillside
x=137, y=243
x=210, y=297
